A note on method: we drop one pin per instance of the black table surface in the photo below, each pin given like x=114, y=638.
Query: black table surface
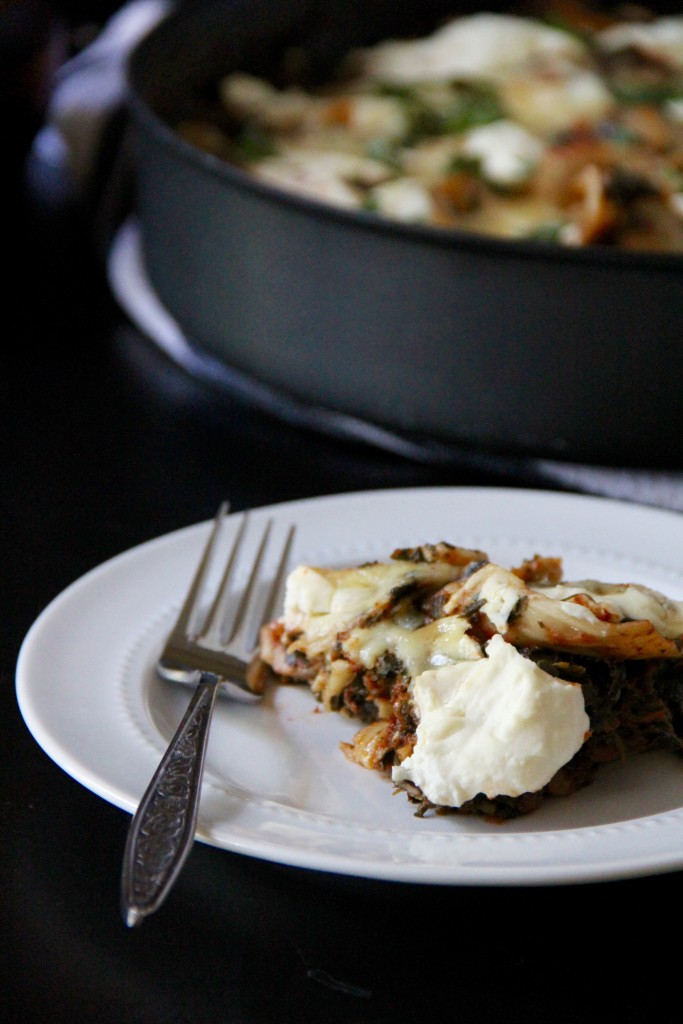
x=107, y=444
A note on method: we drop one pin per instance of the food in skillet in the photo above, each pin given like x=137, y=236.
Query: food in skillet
x=483, y=690
x=566, y=127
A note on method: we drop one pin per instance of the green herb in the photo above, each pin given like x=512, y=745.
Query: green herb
x=556, y=21
x=424, y=123
x=369, y=203
x=464, y=164
x=386, y=152
x=254, y=144
x=674, y=176
x=405, y=93
x=635, y=91
x=473, y=106
x=550, y=232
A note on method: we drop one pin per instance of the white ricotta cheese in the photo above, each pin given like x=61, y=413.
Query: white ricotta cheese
x=508, y=153
x=674, y=109
x=480, y=46
x=676, y=203
x=498, y=726
x=377, y=117
x=662, y=39
x=403, y=199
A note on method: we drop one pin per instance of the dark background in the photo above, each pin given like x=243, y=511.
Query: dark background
x=105, y=444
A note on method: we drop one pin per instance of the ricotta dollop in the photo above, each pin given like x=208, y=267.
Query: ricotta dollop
x=508, y=152
x=498, y=725
x=479, y=46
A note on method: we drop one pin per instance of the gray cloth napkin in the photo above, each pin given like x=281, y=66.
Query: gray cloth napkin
x=646, y=486
x=91, y=87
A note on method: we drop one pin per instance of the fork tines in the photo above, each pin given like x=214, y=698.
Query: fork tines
x=234, y=618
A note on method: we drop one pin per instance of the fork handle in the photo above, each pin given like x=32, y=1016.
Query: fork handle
x=163, y=828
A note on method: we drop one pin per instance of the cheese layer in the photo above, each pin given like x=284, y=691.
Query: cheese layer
x=499, y=725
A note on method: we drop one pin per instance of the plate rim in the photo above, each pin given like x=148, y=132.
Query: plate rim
x=654, y=861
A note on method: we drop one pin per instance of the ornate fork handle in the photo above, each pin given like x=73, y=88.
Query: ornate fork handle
x=219, y=650
x=163, y=827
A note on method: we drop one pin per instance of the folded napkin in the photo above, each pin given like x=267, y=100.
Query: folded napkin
x=90, y=89
x=646, y=486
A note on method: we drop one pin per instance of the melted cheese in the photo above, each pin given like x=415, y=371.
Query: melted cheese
x=403, y=199
x=475, y=47
x=508, y=153
x=514, y=216
x=629, y=602
x=443, y=642
x=501, y=593
x=549, y=103
x=324, y=602
x=327, y=175
x=661, y=39
x=498, y=726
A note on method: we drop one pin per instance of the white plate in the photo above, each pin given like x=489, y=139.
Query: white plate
x=277, y=785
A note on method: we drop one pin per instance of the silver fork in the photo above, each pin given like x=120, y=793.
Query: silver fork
x=163, y=828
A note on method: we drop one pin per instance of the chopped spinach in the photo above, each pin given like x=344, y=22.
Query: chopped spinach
x=252, y=143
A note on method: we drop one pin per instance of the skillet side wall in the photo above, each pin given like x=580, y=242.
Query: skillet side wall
x=522, y=352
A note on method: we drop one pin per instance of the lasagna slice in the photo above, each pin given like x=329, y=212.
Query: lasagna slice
x=481, y=689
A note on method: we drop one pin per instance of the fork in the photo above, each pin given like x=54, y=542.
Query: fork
x=207, y=656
